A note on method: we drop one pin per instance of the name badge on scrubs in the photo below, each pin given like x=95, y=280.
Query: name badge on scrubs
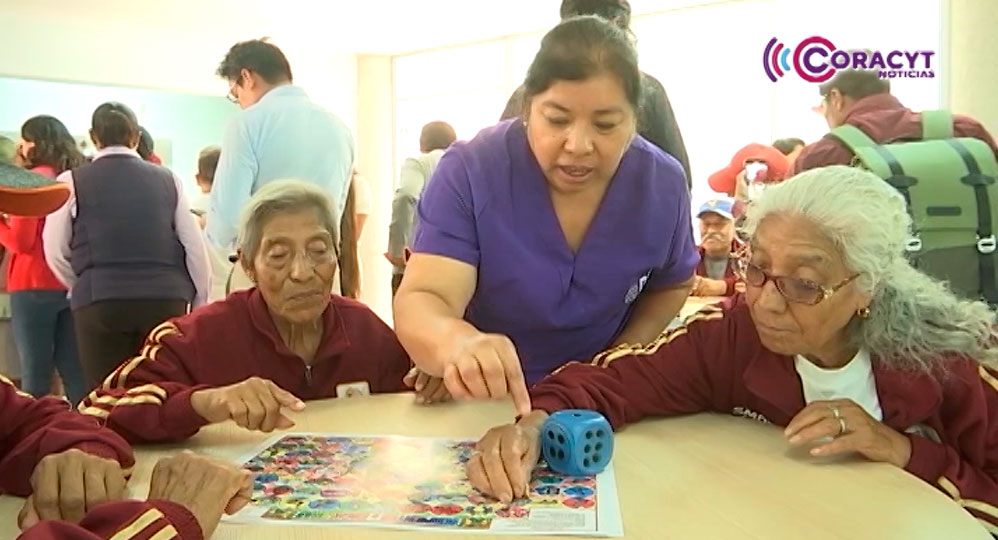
x=354, y=389
x=635, y=290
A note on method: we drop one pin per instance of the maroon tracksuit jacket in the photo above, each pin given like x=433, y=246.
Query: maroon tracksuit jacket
x=716, y=362
x=148, y=398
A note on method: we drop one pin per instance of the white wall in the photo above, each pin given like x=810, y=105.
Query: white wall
x=375, y=162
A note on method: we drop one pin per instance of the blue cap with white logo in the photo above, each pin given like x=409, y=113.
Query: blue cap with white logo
x=722, y=207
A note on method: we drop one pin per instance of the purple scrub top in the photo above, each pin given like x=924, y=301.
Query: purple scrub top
x=488, y=205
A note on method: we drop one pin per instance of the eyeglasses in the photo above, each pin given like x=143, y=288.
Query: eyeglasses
x=796, y=290
x=231, y=96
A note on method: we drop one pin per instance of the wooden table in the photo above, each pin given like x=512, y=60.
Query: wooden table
x=699, y=477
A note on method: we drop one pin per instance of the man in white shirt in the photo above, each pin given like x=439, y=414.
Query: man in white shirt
x=281, y=134
x=416, y=172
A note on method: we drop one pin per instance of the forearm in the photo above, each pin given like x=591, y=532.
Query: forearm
x=117, y=520
x=427, y=328
x=653, y=312
x=151, y=413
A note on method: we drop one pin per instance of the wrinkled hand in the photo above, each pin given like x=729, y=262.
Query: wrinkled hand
x=708, y=287
x=486, y=366
x=505, y=458
x=205, y=486
x=874, y=440
x=429, y=389
x=254, y=404
x=67, y=485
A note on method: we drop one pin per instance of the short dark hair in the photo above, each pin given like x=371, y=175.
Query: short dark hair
x=436, y=136
x=54, y=146
x=146, y=144
x=582, y=47
x=786, y=146
x=114, y=124
x=856, y=84
x=207, y=163
x=259, y=56
x=611, y=10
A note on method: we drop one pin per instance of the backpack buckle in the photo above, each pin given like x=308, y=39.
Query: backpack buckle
x=987, y=246
x=914, y=244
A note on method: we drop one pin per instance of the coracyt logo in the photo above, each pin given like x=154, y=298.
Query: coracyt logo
x=816, y=59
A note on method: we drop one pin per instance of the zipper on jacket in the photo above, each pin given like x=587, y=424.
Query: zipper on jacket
x=308, y=375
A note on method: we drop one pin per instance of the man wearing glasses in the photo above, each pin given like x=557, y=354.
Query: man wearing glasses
x=862, y=99
x=280, y=134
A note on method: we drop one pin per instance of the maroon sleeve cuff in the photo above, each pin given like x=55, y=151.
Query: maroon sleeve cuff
x=548, y=404
x=97, y=449
x=178, y=414
x=181, y=518
x=928, y=459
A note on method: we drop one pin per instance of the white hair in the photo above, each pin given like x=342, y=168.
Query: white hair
x=279, y=197
x=915, y=321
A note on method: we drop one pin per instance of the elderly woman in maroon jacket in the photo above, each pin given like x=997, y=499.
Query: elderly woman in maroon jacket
x=838, y=339
x=262, y=351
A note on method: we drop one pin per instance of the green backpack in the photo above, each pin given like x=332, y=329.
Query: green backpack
x=949, y=185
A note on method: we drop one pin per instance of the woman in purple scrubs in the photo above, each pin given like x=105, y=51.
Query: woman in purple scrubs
x=546, y=240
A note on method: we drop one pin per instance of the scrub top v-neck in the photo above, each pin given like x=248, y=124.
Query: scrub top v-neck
x=488, y=205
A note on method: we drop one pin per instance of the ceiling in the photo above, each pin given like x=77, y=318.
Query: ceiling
x=358, y=26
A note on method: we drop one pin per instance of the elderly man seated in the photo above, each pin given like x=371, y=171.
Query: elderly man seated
x=838, y=339
x=264, y=350
x=717, y=275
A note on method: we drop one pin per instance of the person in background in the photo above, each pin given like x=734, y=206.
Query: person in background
x=790, y=147
x=516, y=228
x=221, y=265
x=126, y=244
x=147, y=147
x=8, y=150
x=837, y=340
x=862, y=99
x=750, y=169
x=656, y=121
x=348, y=252
x=717, y=274
x=41, y=318
x=261, y=351
x=355, y=215
x=434, y=139
x=363, y=204
x=280, y=134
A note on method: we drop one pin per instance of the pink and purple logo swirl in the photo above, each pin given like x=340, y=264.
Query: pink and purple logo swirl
x=817, y=59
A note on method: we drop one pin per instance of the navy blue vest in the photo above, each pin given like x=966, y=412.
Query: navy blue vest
x=125, y=244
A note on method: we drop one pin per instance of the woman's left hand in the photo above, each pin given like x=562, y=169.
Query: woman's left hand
x=852, y=429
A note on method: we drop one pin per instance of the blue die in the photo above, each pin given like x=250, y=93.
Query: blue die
x=577, y=442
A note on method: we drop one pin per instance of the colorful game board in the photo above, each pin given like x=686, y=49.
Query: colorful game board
x=406, y=482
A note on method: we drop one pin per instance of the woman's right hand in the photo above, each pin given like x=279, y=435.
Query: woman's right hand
x=486, y=366
x=255, y=404
x=505, y=457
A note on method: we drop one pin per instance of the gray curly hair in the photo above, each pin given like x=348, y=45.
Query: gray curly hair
x=915, y=321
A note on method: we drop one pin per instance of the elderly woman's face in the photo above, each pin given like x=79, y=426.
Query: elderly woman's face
x=579, y=131
x=294, y=266
x=795, y=247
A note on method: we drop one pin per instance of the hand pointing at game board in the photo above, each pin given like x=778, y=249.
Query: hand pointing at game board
x=254, y=404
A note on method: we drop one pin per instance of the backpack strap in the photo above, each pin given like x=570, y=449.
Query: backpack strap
x=852, y=137
x=937, y=125
x=877, y=157
x=986, y=243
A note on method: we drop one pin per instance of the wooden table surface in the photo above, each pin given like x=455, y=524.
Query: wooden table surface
x=699, y=477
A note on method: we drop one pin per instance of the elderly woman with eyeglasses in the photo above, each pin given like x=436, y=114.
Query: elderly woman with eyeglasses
x=258, y=353
x=837, y=338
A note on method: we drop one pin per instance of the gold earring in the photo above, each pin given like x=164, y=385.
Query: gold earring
x=863, y=313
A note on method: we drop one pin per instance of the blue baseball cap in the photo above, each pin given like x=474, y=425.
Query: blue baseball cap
x=723, y=207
